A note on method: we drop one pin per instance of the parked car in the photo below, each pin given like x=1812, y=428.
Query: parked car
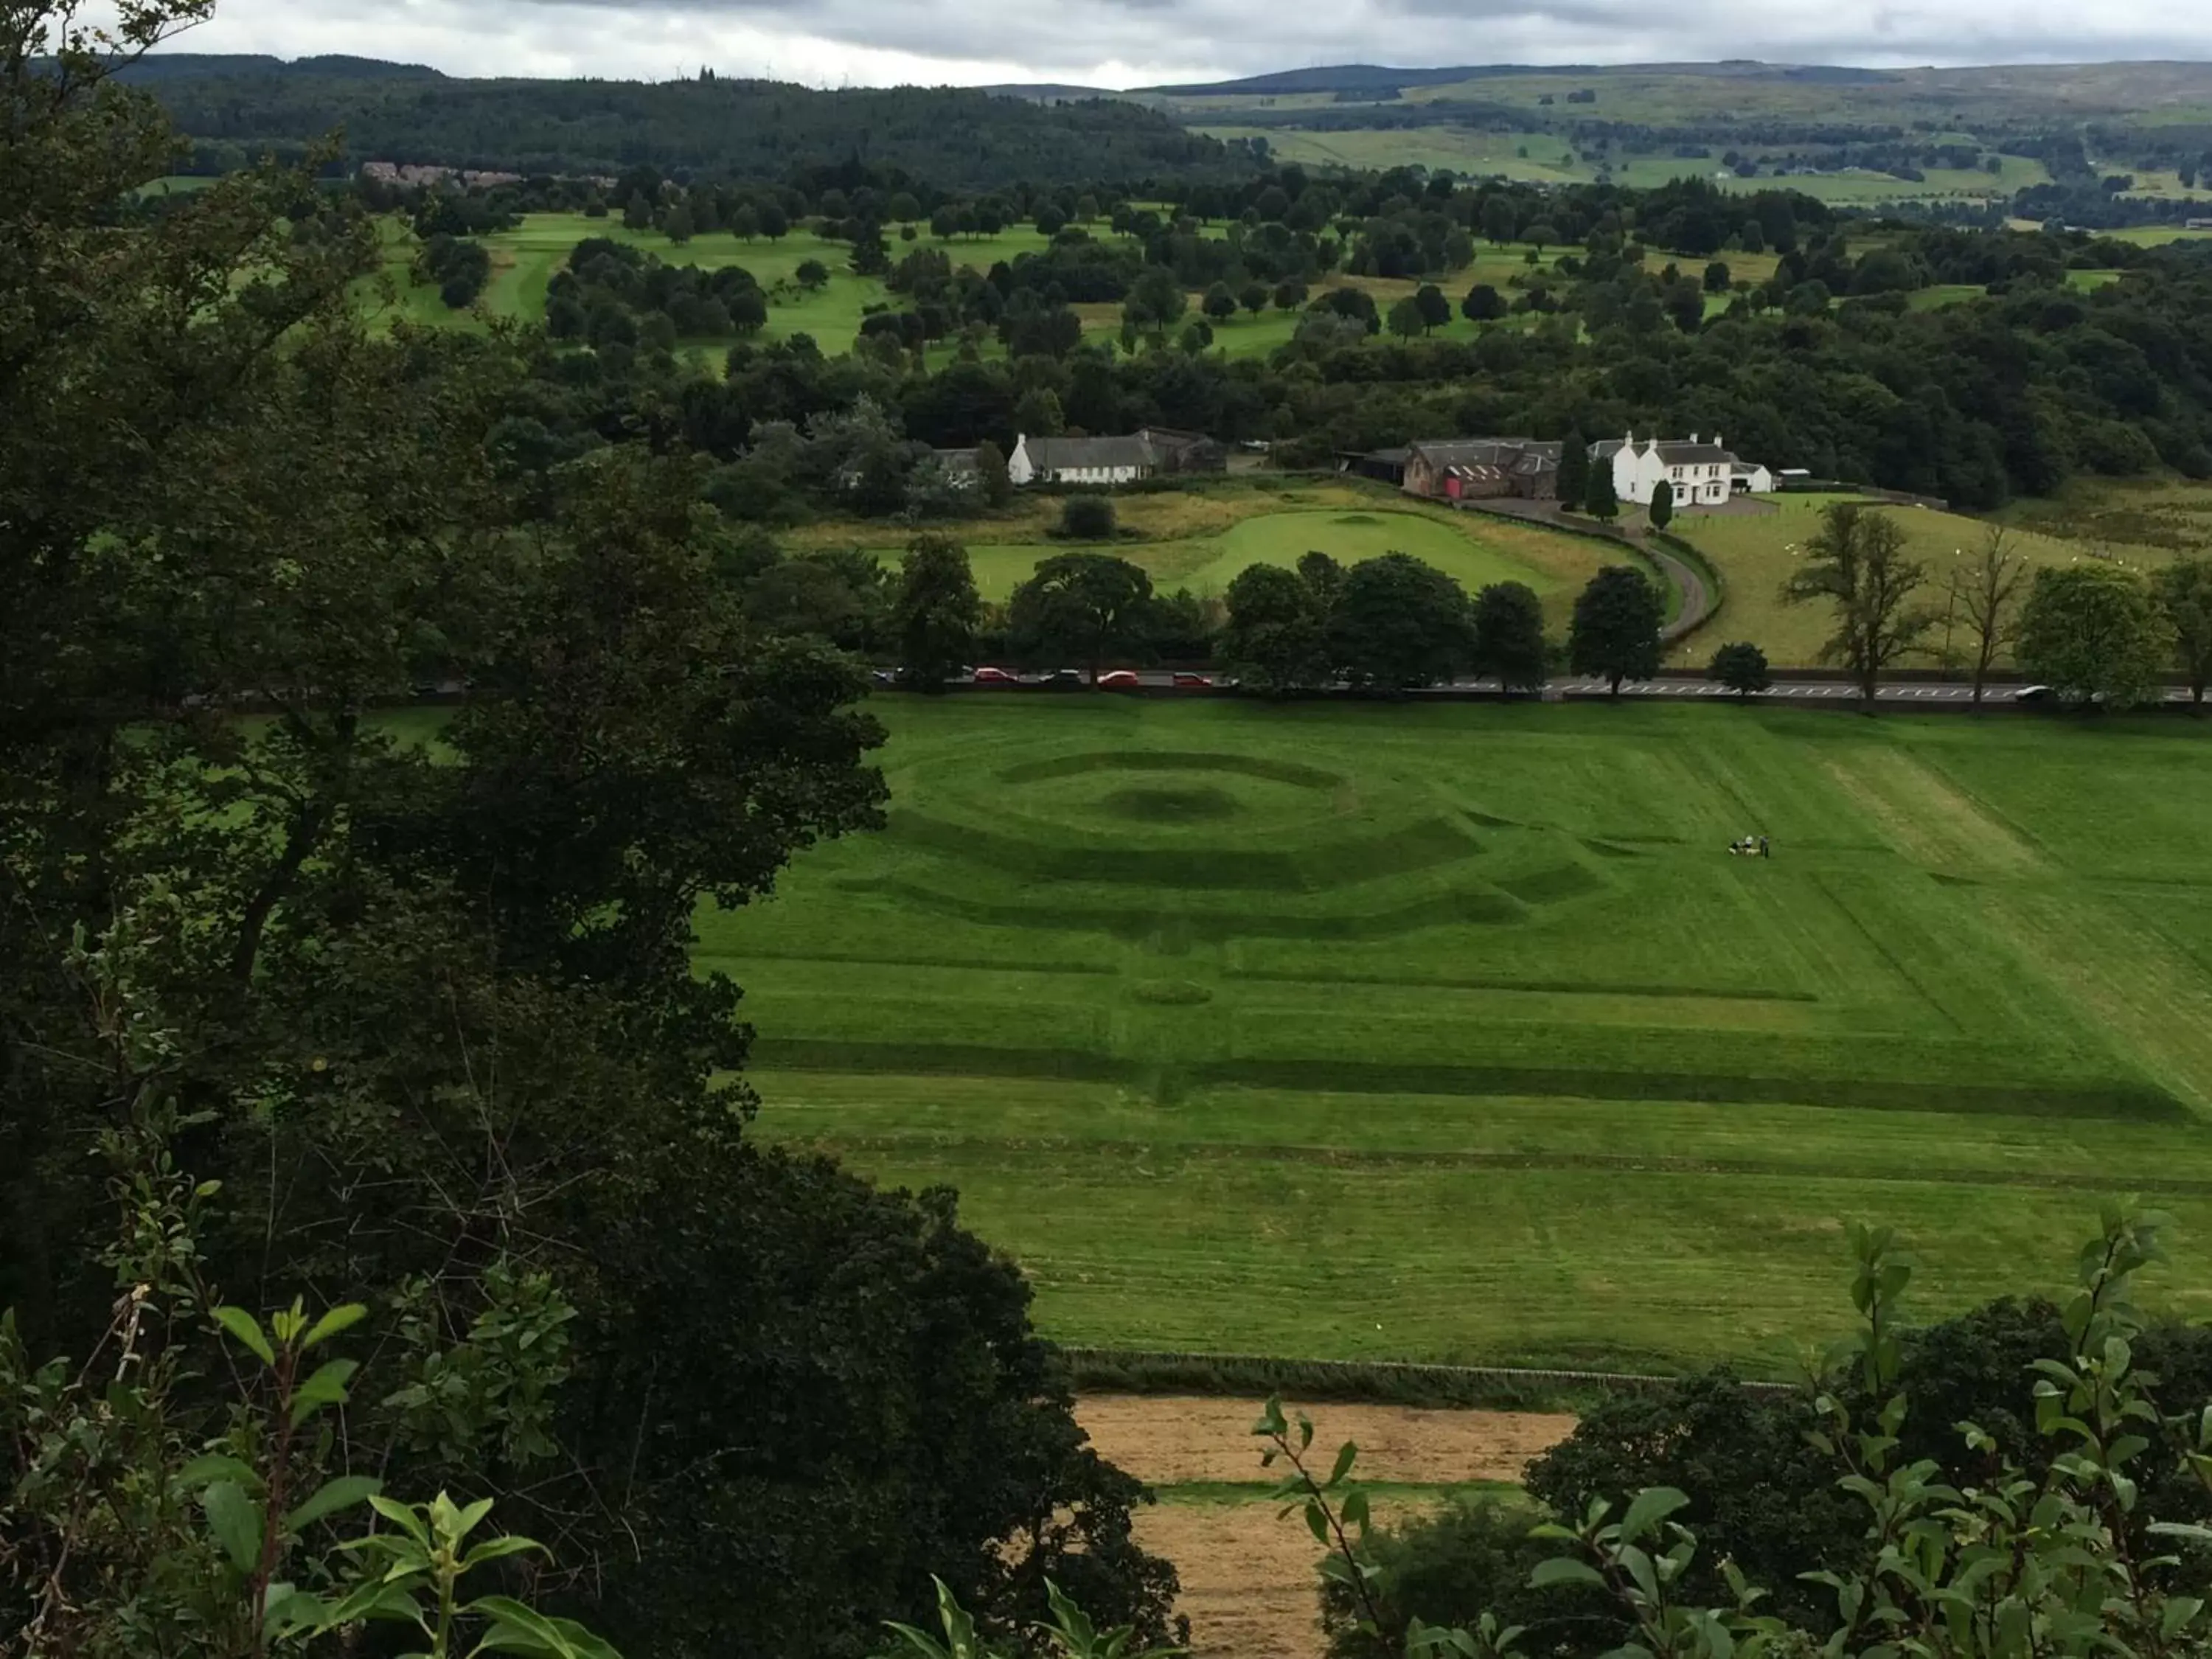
x=2032, y=693
x=1186, y=681
x=1119, y=679
x=993, y=677
x=1063, y=679
x=885, y=677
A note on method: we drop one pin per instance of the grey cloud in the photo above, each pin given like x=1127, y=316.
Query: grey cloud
x=1136, y=42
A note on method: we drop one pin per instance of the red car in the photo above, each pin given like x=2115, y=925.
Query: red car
x=993, y=676
x=1194, y=681
x=1119, y=679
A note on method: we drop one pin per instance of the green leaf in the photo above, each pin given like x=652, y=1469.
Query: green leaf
x=465, y=1521
x=1317, y=1522
x=327, y=1387
x=1344, y=1456
x=341, y=1493
x=1652, y=1505
x=344, y=1317
x=236, y=1520
x=402, y=1517
x=246, y=1329
x=516, y=1628
x=219, y=1466
x=494, y=1549
x=1564, y=1570
x=1355, y=1511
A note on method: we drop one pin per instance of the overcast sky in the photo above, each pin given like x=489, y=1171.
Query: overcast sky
x=1125, y=43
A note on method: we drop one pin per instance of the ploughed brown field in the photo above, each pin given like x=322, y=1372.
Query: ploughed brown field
x=1248, y=1578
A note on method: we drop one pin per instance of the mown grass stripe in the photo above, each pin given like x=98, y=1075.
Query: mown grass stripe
x=943, y=1145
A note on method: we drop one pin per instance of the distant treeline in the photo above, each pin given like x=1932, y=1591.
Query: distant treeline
x=739, y=129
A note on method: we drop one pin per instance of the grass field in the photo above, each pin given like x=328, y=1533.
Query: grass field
x=2172, y=514
x=523, y=260
x=1203, y=550
x=1199, y=537
x=1452, y=1032
x=1548, y=158
x=1755, y=553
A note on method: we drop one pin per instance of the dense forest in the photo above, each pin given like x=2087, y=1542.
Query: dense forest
x=742, y=129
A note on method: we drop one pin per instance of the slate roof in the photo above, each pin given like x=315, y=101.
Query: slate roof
x=1071, y=454
x=1519, y=454
x=1673, y=452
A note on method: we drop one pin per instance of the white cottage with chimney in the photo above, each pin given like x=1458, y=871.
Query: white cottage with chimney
x=1703, y=471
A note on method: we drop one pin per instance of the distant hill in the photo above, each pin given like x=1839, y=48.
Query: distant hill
x=1048, y=92
x=182, y=65
x=235, y=108
x=1344, y=77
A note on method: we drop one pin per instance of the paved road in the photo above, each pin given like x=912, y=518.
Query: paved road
x=1943, y=695
x=1686, y=687
x=1696, y=603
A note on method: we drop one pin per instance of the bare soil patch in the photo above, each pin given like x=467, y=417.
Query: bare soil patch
x=1249, y=1578
x=1169, y=1439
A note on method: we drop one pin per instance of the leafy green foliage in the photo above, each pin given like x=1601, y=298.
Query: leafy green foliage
x=1615, y=631
x=2096, y=633
x=1741, y=667
x=1087, y=518
x=1509, y=636
x=1599, y=500
x=936, y=610
x=1894, y=1549
x=1661, y=512
x=1085, y=606
x=2184, y=595
x=1398, y=623
x=1274, y=640
x=1857, y=566
x=403, y=1002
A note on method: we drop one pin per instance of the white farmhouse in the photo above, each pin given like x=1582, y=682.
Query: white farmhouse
x=1081, y=460
x=1703, y=471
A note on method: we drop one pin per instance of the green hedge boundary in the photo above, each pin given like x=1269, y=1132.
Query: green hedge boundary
x=1374, y=1382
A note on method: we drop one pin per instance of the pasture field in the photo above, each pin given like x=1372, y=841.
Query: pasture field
x=1755, y=553
x=1451, y=1032
x=523, y=260
x=1189, y=547
x=1549, y=158
x=2171, y=513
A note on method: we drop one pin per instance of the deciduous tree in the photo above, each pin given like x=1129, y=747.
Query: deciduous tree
x=936, y=610
x=1984, y=590
x=2094, y=632
x=1857, y=564
x=1398, y=624
x=1088, y=606
x=2185, y=594
x=1615, y=631
x=1509, y=636
x=1274, y=638
x=1741, y=667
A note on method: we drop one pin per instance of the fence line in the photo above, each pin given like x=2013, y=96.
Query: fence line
x=1624, y=1382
